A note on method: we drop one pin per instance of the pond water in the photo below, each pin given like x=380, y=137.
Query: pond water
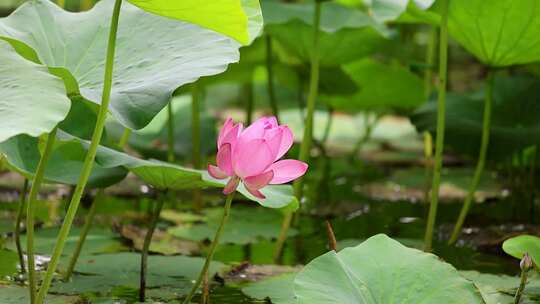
x=353, y=215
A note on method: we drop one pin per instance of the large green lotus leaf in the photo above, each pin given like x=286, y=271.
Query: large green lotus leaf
x=246, y=225
x=65, y=165
x=498, y=32
x=33, y=101
x=388, y=10
x=381, y=270
x=514, y=122
x=154, y=56
x=334, y=17
x=81, y=118
x=374, y=79
x=519, y=245
x=346, y=34
x=223, y=16
x=340, y=47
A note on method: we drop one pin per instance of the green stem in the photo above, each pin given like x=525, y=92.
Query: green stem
x=125, y=138
x=248, y=94
x=481, y=160
x=270, y=85
x=368, y=129
x=195, y=127
x=521, y=288
x=146, y=247
x=431, y=52
x=82, y=238
x=89, y=159
x=170, y=133
x=18, y=221
x=328, y=127
x=215, y=242
x=439, y=144
x=34, y=190
x=196, y=139
x=428, y=158
x=305, y=146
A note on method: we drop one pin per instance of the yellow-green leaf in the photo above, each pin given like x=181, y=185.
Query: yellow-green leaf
x=223, y=16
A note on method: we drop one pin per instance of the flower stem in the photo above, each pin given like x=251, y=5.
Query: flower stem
x=521, y=288
x=369, y=125
x=248, y=94
x=481, y=160
x=305, y=146
x=125, y=138
x=431, y=52
x=18, y=221
x=146, y=246
x=82, y=238
x=170, y=133
x=441, y=109
x=195, y=126
x=270, y=80
x=196, y=140
x=34, y=190
x=90, y=156
x=428, y=158
x=215, y=242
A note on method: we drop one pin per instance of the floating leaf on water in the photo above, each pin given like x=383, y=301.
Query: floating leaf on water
x=246, y=225
x=519, y=245
x=278, y=289
x=387, y=272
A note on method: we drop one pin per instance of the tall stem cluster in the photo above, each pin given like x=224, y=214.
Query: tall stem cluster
x=441, y=109
x=307, y=139
x=34, y=190
x=486, y=126
x=215, y=243
x=89, y=159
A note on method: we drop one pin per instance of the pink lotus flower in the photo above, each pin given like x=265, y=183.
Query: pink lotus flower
x=252, y=156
